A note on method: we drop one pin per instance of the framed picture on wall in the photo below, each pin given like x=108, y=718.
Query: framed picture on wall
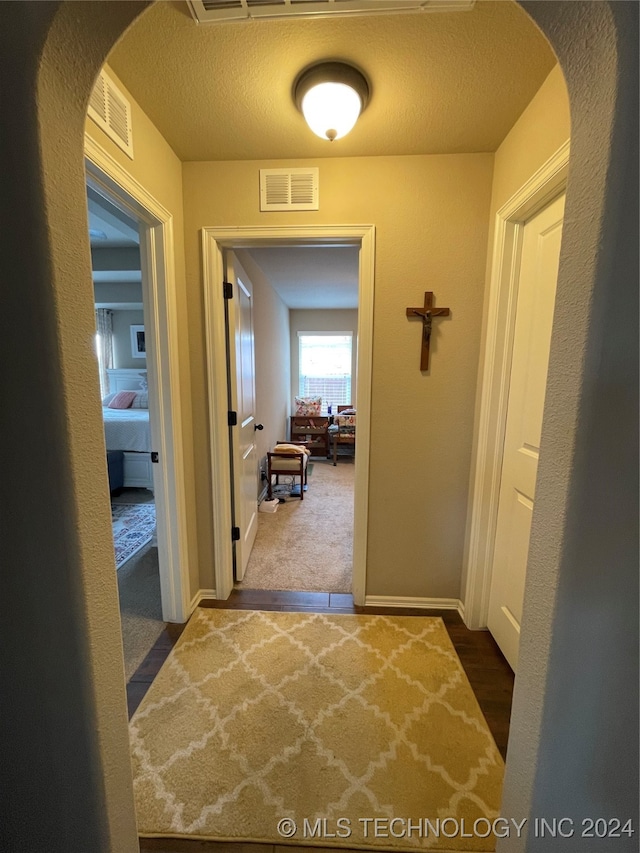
x=138, y=348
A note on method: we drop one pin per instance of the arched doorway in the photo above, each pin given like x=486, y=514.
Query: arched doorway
x=592, y=339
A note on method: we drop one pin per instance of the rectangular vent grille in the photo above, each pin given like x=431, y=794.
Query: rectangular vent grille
x=213, y=11
x=111, y=111
x=289, y=189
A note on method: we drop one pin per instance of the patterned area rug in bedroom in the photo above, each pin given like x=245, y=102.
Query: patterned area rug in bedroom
x=133, y=527
x=264, y=727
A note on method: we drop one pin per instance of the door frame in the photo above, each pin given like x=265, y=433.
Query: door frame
x=161, y=330
x=241, y=282
x=546, y=184
x=214, y=242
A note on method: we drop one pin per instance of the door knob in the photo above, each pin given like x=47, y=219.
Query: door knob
x=258, y=426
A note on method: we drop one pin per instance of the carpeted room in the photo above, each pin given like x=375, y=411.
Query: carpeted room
x=307, y=545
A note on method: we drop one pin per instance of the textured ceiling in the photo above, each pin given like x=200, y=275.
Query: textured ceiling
x=441, y=82
x=312, y=277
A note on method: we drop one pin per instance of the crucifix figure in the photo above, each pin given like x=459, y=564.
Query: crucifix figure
x=426, y=313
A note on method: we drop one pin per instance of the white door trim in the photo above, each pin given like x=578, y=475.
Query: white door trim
x=548, y=182
x=214, y=242
x=159, y=298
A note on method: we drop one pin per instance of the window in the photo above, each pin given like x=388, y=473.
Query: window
x=104, y=346
x=325, y=367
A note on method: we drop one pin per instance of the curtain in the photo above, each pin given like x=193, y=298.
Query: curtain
x=104, y=346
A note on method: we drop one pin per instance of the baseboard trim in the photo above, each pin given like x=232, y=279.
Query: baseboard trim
x=201, y=595
x=408, y=601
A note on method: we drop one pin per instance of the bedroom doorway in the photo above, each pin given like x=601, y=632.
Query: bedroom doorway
x=216, y=242
x=147, y=467
x=305, y=334
x=114, y=238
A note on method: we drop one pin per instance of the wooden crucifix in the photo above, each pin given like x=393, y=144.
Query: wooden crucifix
x=426, y=313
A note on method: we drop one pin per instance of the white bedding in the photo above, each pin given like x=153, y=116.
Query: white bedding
x=127, y=429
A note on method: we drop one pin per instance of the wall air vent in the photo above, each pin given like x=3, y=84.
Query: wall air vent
x=215, y=11
x=111, y=111
x=289, y=189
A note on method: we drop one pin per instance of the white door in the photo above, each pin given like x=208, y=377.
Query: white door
x=532, y=338
x=242, y=396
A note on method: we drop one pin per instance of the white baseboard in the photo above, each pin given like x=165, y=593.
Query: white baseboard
x=201, y=595
x=408, y=601
x=370, y=601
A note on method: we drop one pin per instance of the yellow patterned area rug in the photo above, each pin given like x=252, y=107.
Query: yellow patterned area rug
x=353, y=731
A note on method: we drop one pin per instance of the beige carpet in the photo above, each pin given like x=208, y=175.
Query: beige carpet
x=308, y=545
x=258, y=718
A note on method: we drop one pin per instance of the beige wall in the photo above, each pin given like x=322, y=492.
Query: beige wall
x=158, y=170
x=433, y=235
x=431, y=215
x=271, y=330
x=539, y=132
x=541, y=129
x=335, y=320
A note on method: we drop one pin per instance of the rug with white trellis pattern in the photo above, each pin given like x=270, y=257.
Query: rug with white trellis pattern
x=263, y=724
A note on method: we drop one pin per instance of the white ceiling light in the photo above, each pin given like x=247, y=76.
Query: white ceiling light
x=331, y=96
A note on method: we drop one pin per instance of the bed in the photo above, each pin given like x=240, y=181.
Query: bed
x=129, y=430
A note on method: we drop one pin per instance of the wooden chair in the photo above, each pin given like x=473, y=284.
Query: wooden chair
x=290, y=464
x=341, y=438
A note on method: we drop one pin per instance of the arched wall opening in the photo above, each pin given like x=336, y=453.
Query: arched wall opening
x=60, y=590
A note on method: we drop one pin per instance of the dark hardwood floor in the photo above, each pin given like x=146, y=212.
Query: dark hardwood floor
x=488, y=672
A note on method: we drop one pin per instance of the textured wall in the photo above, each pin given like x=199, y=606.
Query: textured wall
x=66, y=773
x=539, y=132
x=431, y=215
x=322, y=321
x=573, y=745
x=158, y=170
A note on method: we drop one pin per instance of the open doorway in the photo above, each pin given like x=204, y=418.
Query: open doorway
x=270, y=254
x=135, y=306
x=305, y=343
x=124, y=389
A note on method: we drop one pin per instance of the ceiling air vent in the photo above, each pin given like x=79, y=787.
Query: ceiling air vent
x=289, y=189
x=214, y=11
x=111, y=111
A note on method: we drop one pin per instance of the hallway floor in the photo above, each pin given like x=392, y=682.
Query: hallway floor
x=488, y=672
x=307, y=544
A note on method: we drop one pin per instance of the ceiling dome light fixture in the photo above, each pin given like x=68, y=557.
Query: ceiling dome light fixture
x=331, y=96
